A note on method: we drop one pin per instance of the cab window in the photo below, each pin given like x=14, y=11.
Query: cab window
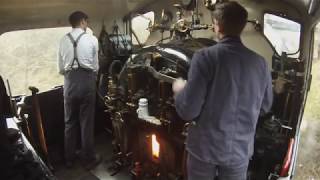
x=29, y=58
x=140, y=26
x=284, y=34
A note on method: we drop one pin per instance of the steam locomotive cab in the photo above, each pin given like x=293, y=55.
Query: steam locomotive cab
x=148, y=132
x=135, y=99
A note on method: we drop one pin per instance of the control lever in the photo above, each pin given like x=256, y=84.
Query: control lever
x=24, y=118
x=281, y=125
x=160, y=76
x=156, y=74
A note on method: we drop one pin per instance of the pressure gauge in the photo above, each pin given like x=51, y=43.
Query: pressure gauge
x=186, y=2
x=166, y=16
x=210, y=4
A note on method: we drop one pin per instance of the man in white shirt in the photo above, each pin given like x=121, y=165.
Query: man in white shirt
x=78, y=62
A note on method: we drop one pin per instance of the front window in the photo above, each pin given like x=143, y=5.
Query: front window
x=140, y=25
x=284, y=34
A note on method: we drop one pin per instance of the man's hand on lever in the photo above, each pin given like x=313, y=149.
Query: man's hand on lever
x=178, y=85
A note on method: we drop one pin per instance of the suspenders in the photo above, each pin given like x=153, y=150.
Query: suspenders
x=75, y=44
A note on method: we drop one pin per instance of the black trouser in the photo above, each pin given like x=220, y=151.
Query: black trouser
x=79, y=107
x=199, y=170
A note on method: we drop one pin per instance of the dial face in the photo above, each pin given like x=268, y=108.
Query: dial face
x=186, y=2
x=164, y=17
x=210, y=3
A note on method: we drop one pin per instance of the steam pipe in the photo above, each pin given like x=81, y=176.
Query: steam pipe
x=110, y=70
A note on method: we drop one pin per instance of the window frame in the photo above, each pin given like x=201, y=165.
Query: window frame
x=132, y=32
x=285, y=16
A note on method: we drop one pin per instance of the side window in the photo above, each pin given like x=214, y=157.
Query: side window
x=140, y=26
x=284, y=34
x=29, y=58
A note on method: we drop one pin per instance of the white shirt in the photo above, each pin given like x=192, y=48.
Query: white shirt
x=87, y=50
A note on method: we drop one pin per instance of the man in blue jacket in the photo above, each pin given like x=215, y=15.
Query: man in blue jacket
x=228, y=87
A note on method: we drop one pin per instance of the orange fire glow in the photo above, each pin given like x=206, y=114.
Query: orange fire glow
x=155, y=146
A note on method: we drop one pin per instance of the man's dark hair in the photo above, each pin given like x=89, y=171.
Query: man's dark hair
x=76, y=17
x=231, y=16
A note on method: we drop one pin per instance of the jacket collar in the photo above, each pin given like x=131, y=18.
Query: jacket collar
x=230, y=39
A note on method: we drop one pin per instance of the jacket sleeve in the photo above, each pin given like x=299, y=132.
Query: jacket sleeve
x=268, y=94
x=190, y=100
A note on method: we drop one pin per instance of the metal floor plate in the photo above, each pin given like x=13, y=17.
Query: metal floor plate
x=101, y=172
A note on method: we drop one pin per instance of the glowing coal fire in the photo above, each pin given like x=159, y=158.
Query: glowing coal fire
x=155, y=146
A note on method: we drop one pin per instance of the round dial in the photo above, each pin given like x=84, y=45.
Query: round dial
x=186, y=2
x=210, y=4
